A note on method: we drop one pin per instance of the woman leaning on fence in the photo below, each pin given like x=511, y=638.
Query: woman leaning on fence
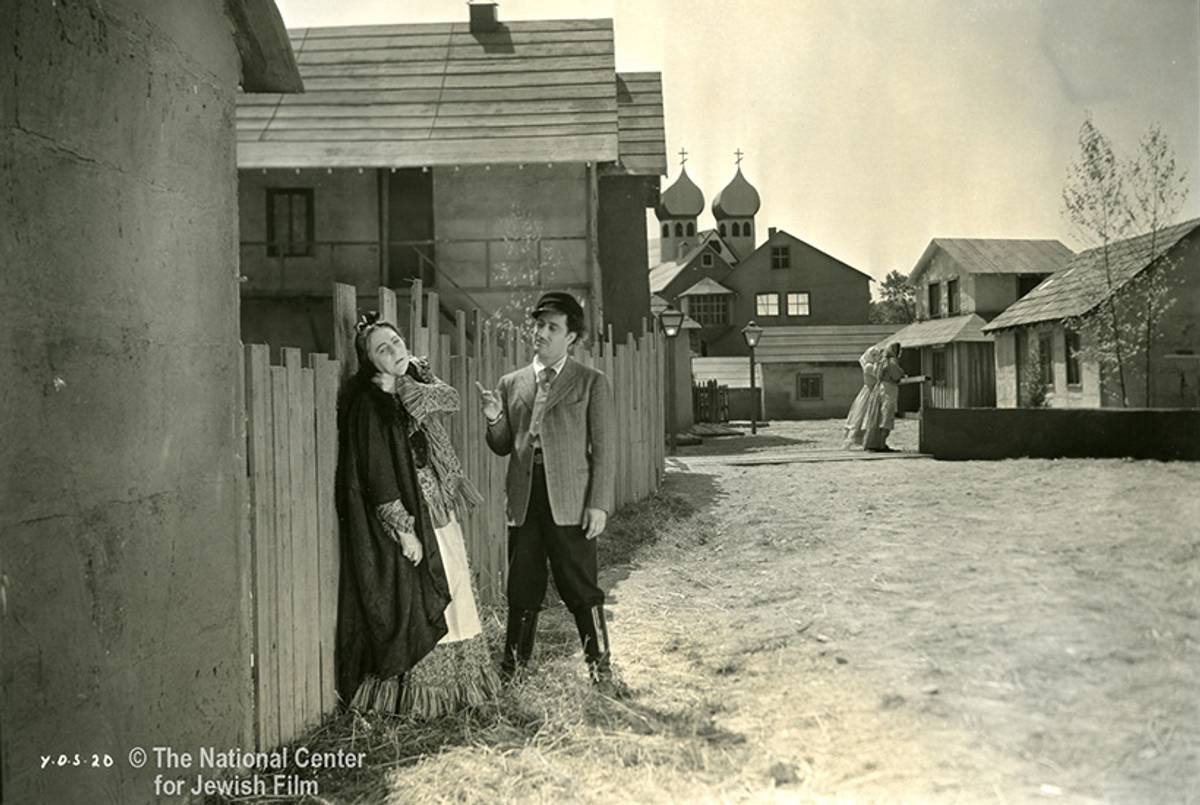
x=855, y=428
x=409, y=637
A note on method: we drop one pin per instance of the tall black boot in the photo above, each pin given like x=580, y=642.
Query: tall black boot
x=593, y=633
x=518, y=641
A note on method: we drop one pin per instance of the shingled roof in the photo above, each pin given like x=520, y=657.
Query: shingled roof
x=1082, y=285
x=997, y=255
x=936, y=332
x=438, y=94
x=822, y=343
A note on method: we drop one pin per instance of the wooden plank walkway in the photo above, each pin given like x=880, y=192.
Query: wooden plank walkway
x=818, y=455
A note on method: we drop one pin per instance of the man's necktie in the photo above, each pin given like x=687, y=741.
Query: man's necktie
x=545, y=378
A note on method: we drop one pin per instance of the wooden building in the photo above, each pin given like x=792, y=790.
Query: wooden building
x=1035, y=348
x=723, y=280
x=492, y=160
x=961, y=284
x=813, y=372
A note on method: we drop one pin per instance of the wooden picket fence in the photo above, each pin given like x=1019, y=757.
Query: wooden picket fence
x=291, y=433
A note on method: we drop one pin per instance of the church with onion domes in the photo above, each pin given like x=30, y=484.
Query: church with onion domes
x=812, y=306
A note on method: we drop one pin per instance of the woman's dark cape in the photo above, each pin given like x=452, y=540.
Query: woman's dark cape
x=390, y=612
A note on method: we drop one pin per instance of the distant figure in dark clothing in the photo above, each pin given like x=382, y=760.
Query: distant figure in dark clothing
x=881, y=407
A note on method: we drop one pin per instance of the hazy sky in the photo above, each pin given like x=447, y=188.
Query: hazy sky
x=871, y=126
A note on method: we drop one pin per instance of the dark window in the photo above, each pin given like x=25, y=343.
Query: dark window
x=691, y=230
x=797, y=304
x=952, y=301
x=721, y=229
x=1073, y=377
x=808, y=387
x=747, y=230
x=737, y=229
x=678, y=230
x=706, y=259
x=1046, y=360
x=935, y=300
x=666, y=230
x=709, y=308
x=938, y=366
x=1027, y=282
x=781, y=257
x=289, y=222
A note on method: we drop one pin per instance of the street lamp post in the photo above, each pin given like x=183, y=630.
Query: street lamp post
x=671, y=321
x=752, y=332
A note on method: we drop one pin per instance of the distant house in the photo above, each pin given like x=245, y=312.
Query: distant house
x=813, y=372
x=1033, y=342
x=723, y=280
x=961, y=284
x=491, y=160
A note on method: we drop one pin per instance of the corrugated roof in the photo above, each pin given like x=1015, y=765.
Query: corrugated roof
x=642, y=139
x=436, y=94
x=935, y=332
x=1083, y=283
x=835, y=343
x=732, y=372
x=997, y=255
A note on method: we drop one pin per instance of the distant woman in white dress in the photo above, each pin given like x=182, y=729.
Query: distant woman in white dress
x=869, y=361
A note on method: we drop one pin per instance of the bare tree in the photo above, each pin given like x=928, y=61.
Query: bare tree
x=1106, y=199
x=1159, y=190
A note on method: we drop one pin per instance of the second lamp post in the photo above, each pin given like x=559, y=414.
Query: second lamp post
x=752, y=332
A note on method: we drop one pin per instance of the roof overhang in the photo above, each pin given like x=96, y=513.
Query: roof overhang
x=939, y=332
x=707, y=287
x=268, y=62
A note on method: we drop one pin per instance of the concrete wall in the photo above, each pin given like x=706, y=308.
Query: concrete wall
x=994, y=433
x=345, y=222
x=623, y=252
x=839, y=385
x=677, y=349
x=1006, y=369
x=125, y=621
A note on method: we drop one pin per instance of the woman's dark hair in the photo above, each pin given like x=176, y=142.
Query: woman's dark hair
x=893, y=349
x=366, y=369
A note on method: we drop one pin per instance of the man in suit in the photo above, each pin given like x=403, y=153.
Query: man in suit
x=555, y=422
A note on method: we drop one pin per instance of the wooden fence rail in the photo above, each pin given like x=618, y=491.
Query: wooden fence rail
x=291, y=432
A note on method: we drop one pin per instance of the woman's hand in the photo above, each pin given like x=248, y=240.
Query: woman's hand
x=410, y=546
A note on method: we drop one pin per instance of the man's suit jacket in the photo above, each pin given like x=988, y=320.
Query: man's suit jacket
x=578, y=430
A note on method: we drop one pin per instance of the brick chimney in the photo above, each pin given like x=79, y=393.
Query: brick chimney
x=771, y=232
x=484, y=18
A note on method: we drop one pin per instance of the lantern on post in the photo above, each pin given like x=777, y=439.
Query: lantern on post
x=671, y=321
x=752, y=332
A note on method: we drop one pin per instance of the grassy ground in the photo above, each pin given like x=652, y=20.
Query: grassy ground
x=873, y=631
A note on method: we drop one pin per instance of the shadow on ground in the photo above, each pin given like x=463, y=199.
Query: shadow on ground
x=553, y=700
x=728, y=445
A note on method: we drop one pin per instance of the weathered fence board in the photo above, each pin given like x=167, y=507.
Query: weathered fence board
x=291, y=464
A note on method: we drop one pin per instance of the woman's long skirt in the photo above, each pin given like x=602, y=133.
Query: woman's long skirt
x=459, y=671
x=857, y=414
x=880, y=416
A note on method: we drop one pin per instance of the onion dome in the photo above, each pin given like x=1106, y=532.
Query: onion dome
x=681, y=200
x=739, y=199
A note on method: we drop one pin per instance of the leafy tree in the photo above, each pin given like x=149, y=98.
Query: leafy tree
x=897, y=304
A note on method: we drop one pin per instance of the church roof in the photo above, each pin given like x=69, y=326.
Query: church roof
x=739, y=199
x=682, y=199
x=419, y=94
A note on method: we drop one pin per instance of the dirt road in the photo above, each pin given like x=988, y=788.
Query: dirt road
x=927, y=631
